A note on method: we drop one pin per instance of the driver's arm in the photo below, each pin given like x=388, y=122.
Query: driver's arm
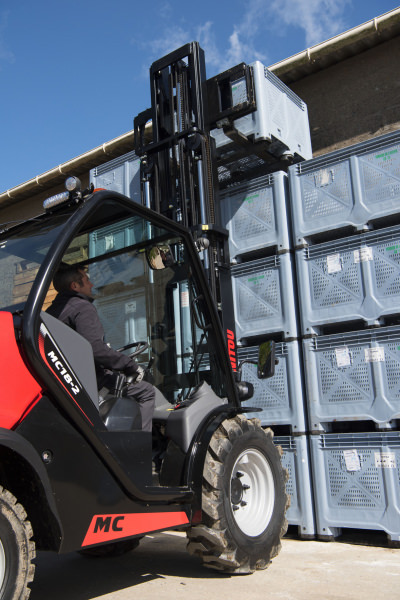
x=88, y=324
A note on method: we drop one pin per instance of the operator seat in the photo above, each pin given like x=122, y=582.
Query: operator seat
x=117, y=413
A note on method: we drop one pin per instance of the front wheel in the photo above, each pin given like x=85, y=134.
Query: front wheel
x=243, y=499
x=17, y=550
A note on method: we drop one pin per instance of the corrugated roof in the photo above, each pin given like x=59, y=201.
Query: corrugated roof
x=347, y=44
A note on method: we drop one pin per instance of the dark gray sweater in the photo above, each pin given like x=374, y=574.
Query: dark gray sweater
x=77, y=311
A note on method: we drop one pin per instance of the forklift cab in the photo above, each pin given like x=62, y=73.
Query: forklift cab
x=149, y=287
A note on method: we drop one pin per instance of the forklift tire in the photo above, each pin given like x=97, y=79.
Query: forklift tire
x=243, y=499
x=112, y=549
x=17, y=550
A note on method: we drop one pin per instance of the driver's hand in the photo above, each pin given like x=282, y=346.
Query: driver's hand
x=138, y=376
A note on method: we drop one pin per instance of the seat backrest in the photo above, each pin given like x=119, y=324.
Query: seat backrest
x=77, y=351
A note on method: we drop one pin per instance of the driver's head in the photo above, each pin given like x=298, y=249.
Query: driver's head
x=72, y=278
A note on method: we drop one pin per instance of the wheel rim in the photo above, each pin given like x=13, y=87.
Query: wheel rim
x=252, y=493
x=2, y=565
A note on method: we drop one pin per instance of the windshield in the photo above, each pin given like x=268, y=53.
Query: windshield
x=22, y=251
x=146, y=291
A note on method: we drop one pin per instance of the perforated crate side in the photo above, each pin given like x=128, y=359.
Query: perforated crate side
x=280, y=397
x=353, y=376
x=354, y=477
x=263, y=296
x=322, y=199
x=334, y=284
x=296, y=460
x=120, y=175
x=384, y=246
x=255, y=214
x=348, y=187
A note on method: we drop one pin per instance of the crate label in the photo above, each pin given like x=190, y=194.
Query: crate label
x=250, y=199
x=385, y=460
x=239, y=91
x=323, y=178
x=109, y=241
x=374, y=354
x=130, y=307
x=395, y=248
x=334, y=263
x=184, y=299
x=352, y=460
x=255, y=279
x=386, y=155
x=363, y=254
x=343, y=358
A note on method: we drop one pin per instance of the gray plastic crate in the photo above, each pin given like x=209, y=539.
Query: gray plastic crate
x=349, y=187
x=356, y=482
x=354, y=278
x=296, y=460
x=281, y=117
x=116, y=236
x=353, y=377
x=255, y=214
x=121, y=175
x=263, y=297
x=280, y=397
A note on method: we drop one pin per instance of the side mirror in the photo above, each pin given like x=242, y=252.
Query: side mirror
x=266, y=360
x=160, y=257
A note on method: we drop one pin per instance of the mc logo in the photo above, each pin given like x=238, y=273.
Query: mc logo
x=107, y=523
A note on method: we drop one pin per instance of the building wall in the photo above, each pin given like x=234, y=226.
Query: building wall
x=354, y=100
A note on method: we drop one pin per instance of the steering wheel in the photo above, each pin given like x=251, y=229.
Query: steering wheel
x=141, y=347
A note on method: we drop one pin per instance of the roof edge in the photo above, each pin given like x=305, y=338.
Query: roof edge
x=373, y=27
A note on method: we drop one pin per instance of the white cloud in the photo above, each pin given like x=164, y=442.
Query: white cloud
x=320, y=19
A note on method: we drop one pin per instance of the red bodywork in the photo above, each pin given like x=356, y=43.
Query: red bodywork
x=19, y=391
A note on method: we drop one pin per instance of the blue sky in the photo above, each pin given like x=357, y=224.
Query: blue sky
x=74, y=74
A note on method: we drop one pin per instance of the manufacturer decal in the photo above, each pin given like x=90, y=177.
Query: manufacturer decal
x=58, y=364
x=231, y=348
x=106, y=528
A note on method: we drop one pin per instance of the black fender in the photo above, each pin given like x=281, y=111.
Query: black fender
x=23, y=472
x=198, y=450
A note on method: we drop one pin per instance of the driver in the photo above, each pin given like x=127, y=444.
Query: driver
x=74, y=306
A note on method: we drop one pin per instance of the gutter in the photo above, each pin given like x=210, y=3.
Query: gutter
x=338, y=47
x=107, y=151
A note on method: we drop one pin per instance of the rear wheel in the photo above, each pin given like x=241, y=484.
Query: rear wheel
x=17, y=550
x=243, y=500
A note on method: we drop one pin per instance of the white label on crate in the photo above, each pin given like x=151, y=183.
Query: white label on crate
x=130, y=307
x=385, y=460
x=363, y=254
x=323, y=178
x=374, y=354
x=109, y=240
x=184, y=299
x=334, y=263
x=352, y=460
x=343, y=358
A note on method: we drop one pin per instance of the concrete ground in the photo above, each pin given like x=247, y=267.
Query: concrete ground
x=161, y=568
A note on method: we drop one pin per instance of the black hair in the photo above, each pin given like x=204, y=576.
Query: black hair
x=65, y=275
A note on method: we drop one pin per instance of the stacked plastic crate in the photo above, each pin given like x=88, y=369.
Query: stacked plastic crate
x=346, y=227
x=256, y=215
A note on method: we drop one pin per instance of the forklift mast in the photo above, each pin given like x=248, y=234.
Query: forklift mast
x=179, y=176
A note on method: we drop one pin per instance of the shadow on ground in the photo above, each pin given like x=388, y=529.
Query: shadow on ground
x=83, y=578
